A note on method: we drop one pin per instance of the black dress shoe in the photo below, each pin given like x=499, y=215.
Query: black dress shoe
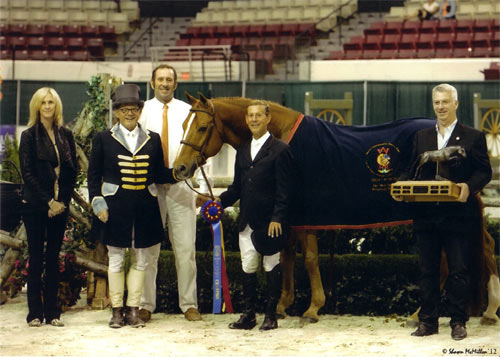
x=269, y=323
x=132, y=317
x=458, y=332
x=246, y=321
x=425, y=330
x=117, y=319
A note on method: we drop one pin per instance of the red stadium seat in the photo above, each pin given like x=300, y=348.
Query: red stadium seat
x=183, y=42
x=388, y=53
x=255, y=30
x=34, y=30
x=53, y=30
x=59, y=55
x=353, y=54
x=495, y=26
x=239, y=30
x=288, y=29
x=411, y=27
x=393, y=27
x=206, y=31
x=269, y=43
x=95, y=47
x=495, y=39
x=443, y=53
x=447, y=26
x=271, y=30
x=3, y=42
x=354, y=44
x=336, y=55
x=426, y=41
x=407, y=53
x=483, y=25
x=15, y=30
x=464, y=25
x=408, y=41
x=80, y=55
x=197, y=42
x=212, y=41
x=444, y=40
x=482, y=52
x=222, y=31
x=461, y=52
x=376, y=28
x=5, y=53
x=390, y=42
x=253, y=43
x=35, y=43
x=75, y=43
x=481, y=39
x=372, y=42
x=429, y=26
x=17, y=42
x=463, y=40
x=39, y=55
x=89, y=31
x=55, y=43
x=71, y=31
x=191, y=32
x=20, y=54
x=425, y=53
x=371, y=54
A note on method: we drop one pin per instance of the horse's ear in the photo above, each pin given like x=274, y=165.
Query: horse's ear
x=191, y=99
x=203, y=99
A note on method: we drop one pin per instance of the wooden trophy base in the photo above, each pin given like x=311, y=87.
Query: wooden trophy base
x=426, y=191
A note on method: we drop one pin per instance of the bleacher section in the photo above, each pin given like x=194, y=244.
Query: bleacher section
x=264, y=30
x=63, y=29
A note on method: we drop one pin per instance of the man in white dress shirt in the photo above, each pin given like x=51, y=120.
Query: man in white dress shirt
x=177, y=202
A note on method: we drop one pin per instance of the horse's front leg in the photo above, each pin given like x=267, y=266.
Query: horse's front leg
x=287, y=265
x=311, y=262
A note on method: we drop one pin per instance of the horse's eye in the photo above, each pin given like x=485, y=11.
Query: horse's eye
x=202, y=129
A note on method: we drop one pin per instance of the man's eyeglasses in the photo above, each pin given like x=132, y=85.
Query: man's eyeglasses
x=134, y=110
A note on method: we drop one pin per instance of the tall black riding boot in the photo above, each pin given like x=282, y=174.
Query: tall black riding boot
x=247, y=319
x=274, y=292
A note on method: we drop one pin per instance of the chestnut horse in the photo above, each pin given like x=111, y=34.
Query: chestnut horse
x=213, y=122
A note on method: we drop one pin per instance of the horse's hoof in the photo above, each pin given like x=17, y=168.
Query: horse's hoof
x=411, y=323
x=304, y=320
x=486, y=320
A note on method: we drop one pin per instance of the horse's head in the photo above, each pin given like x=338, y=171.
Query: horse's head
x=202, y=137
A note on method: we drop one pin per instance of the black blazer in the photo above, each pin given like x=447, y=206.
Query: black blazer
x=263, y=185
x=474, y=170
x=38, y=159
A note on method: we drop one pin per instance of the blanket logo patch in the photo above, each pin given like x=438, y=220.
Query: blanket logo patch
x=380, y=159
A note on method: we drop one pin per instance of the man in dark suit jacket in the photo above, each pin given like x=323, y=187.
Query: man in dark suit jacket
x=262, y=178
x=448, y=225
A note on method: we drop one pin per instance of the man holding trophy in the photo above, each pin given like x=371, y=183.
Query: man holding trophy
x=448, y=225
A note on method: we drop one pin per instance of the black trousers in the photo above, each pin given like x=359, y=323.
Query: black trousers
x=454, y=235
x=42, y=297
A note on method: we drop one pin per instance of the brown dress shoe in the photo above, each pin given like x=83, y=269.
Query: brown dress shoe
x=192, y=314
x=458, y=332
x=117, y=319
x=132, y=317
x=425, y=329
x=144, y=315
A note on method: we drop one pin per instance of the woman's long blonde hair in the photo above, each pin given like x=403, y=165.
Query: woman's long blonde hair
x=36, y=104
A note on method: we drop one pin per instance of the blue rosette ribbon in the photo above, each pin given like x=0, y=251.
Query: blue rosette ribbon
x=212, y=212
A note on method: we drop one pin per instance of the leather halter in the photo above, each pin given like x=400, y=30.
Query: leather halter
x=212, y=124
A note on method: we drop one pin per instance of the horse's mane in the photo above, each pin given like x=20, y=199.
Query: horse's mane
x=245, y=101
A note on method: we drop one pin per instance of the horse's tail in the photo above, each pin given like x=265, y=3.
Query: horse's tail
x=479, y=270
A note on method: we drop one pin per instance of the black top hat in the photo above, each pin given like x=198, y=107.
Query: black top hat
x=127, y=94
x=267, y=245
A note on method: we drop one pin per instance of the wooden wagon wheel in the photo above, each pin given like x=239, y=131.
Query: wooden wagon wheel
x=490, y=125
x=332, y=115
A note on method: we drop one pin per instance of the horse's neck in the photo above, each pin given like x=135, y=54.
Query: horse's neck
x=232, y=114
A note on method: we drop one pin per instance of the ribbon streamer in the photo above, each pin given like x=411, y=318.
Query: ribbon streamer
x=212, y=212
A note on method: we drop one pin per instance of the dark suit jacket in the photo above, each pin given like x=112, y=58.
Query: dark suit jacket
x=38, y=159
x=474, y=170
x=126, y=179
x=263, y=185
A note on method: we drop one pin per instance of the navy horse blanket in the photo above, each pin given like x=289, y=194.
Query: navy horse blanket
x=344, y=173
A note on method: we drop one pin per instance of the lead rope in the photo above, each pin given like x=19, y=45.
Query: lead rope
x=208, y=185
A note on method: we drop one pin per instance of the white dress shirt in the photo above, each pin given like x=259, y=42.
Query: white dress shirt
x=443, y=139
x=131, y=137
x=256, y=144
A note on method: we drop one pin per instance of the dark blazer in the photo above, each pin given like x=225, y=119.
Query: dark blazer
x=38, y=159
x=126, y=180
x=263, y=185
x=474, y=170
